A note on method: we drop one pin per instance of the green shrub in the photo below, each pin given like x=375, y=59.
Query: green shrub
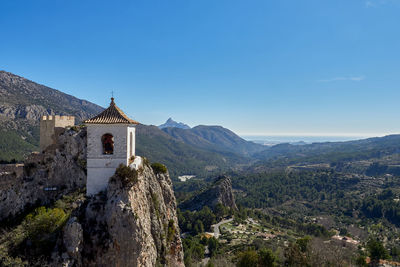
x=75, y=128
x=127, y=175
x=145, y=161
x=171, y=230
x=42, y=223
x=248, y=259
x=156, y=204
x=159, y=168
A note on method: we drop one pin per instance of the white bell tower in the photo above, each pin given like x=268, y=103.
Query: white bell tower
x=110, y=142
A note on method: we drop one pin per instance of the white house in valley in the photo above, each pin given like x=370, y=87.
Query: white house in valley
x=110, y=142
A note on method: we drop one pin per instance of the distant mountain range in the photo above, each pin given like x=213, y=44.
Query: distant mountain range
x=330, y=152
x=171, y=123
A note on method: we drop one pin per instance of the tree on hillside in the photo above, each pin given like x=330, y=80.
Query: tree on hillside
x=376, y=251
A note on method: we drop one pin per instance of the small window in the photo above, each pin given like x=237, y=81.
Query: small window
x=108, y=144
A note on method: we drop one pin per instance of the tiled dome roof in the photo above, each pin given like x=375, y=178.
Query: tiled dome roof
x=112, y=115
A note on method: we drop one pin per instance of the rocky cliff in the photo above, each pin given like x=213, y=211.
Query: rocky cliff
x=133, y=223
x=47, y=176
x=219, y=192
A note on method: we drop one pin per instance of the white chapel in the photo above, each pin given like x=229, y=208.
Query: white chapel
x=110, y=142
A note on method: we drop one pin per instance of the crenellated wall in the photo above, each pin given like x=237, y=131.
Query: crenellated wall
x=49, y=126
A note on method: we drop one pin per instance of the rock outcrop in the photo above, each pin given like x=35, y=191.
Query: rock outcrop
x=132, y=224
x=219, y=192
x=47, y=176
x=171, y=123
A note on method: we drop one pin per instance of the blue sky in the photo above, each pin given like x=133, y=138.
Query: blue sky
x=257, y=67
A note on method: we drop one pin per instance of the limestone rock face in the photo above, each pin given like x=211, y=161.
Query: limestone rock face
x=46, y=176
x=73, y=240
x=219, y=192
x=131, y=224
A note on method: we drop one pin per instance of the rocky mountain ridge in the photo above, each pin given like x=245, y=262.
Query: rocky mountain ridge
x=22, y=103
x=219, y=192
x=21, y=98
x=171, y=123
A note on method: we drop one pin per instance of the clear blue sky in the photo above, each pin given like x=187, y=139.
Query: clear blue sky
x=256, y=67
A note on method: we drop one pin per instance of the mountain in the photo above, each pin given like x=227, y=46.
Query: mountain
x=215, y=138
x=171, y=123
x=22, y=103
x=218, y=192
x=376, y=147
x=180, y=157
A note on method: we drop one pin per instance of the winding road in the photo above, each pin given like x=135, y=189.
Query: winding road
x=217, y=233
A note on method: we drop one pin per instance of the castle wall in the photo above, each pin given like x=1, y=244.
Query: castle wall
x=101, y=167
x=48, y=127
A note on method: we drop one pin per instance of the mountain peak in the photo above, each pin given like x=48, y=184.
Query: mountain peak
x=171, y=123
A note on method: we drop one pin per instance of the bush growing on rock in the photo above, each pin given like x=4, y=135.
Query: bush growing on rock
x=44, y=221
x=127, y=175
x=171, y=230
x=159, y=168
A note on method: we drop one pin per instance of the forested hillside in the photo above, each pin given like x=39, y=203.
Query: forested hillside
x=215, y=138
x=182, y=158
x=328, y=204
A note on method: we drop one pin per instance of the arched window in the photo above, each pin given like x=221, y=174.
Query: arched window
x=108, y=144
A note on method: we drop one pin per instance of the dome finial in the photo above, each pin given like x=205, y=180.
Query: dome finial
x=112, y=97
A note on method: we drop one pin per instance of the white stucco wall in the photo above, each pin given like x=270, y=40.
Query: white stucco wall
x=97, y=179
x=101, y=167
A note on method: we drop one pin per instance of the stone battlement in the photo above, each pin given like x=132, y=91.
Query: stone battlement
x=57, y=117
x=48, y=127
